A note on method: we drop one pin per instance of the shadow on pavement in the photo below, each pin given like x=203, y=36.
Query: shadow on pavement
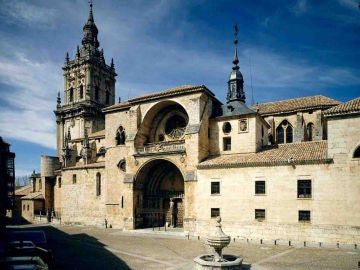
x=78, y=251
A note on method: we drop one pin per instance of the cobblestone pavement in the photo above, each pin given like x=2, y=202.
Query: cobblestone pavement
x=80, y=247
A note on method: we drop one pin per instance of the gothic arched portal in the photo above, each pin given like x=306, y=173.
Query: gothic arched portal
x=159, y=195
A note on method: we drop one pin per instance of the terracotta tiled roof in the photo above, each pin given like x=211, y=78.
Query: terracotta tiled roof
x=33, y=196
x=295, y=104
x=180, y=90
x=23, y=191
x=350, y=107
x=100, y=164
x=119, y=105
x=283, y=154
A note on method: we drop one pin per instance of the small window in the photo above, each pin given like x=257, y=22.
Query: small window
x=304, y=216
x=284, y=133
x=120, y=136
x=23, y=207
x=259, y=187
x=215, y=187
x=357, y=153
x=227, y=127
x=304, y=188
x=280, y=135
x=122, y=201
x=289, y=134
x=227, y=144
x=59, y=182
x=259, y=214
x=81, y=92
x=74, y=178
x=28, y=207
x=71, y=95
x=215, y=212
x=310, y=128
x=98, y=184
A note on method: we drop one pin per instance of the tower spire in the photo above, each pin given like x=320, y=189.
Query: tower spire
x=236, y=81
x=90, y=31
x=236, y=59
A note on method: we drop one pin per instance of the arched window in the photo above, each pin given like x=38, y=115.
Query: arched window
x=81, y=92
x=284, y=133
x=71, y=95
x=310, y=128
x=280, y=134
x=357, y=153
x=289, y=134
x=98, y=184
x=120, y=136
x=59, y=182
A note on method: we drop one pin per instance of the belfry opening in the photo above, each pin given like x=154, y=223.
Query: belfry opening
x=159, y=195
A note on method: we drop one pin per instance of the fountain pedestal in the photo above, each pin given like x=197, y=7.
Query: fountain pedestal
x=218, y=240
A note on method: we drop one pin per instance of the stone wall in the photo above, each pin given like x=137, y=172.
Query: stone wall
x=329, y=206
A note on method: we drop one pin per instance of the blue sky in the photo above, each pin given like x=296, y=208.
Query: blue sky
x=287, y=49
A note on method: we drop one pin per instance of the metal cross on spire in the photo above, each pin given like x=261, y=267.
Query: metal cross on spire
x=236, y=33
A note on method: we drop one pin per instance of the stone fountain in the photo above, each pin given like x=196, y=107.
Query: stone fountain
x=218, y=240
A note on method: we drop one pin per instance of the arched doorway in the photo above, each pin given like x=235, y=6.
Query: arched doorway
x=158, y=195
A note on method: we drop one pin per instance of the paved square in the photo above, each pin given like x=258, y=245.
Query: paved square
x=80, y=247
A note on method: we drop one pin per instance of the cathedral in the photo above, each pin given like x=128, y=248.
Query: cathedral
x=287, y=170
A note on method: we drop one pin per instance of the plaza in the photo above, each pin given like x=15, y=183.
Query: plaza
x=85, y=247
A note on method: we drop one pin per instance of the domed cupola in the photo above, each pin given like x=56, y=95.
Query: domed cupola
x=90, y=32
x=236, y=81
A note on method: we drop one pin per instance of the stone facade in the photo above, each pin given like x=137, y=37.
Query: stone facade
x=180, y=157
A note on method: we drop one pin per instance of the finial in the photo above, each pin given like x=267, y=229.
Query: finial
x=58, y=101
x=236, y=59
x=112, y=63
x=77, y=51
x=86, y=139
x=91, y=18
x=102, y=56
x=67, y=58
x=68, y=134
x=119, y=99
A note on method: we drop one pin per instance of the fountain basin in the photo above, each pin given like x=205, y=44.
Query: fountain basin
x=206, y=261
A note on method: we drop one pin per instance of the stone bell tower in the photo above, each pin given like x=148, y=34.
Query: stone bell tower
x=89, y=86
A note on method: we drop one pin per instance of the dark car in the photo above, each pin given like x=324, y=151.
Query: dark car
x=23, y=263
x=29, y=243
x=36, y=236
x=28, y=248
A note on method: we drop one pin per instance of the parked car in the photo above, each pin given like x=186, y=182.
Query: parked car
x=36, y=236
x=28, y=248
x=23, y=263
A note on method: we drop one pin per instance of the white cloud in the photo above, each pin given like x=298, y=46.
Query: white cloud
x=24, y=12
x=274, y=70
x=300, y=7
x=31, y=99
x=352, y=4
